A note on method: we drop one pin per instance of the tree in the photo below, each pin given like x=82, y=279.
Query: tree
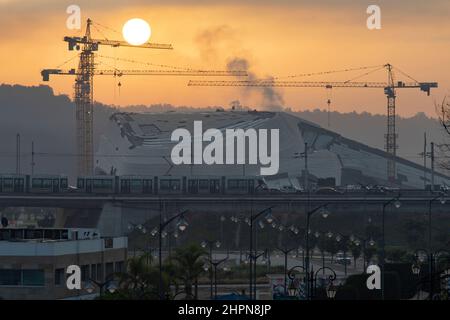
x=369, y=253
x=443, y=110
x=331, y=247
x=396, y=254
x=188, y=262
x=139, y=281
x=356, y=251
x=415, y=233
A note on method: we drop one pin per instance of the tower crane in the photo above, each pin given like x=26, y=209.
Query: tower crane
x=390, y=90
x=84, y=86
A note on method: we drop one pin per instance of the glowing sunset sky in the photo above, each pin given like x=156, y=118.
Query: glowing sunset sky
x=279, y=38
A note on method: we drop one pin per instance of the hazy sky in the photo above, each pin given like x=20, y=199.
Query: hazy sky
x=278, y=38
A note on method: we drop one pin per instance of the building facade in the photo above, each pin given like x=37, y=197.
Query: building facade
x=33, y=262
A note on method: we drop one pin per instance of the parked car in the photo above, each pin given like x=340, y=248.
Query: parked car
x=344, y=260
x=328, y=191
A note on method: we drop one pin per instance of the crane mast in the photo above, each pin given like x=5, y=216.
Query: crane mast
x=84, y=87
x=391, y=135
x=84, y=97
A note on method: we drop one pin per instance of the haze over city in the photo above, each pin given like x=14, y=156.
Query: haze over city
x=277, y=39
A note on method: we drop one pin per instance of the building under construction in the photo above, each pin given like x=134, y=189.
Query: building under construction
x=140, y=144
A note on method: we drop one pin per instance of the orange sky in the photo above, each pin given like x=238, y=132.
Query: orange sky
x=279, y=38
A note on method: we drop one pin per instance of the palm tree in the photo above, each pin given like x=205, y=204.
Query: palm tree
x=188, y=262
x=140, y=279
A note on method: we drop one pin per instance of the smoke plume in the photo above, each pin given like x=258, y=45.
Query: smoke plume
x=272, y=98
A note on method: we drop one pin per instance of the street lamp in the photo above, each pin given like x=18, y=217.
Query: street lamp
x=286, y=252
x=311, y=281
x=331, y=291
x=343, y=240
x=442, y=200
x=357, y=240
x=324, y=212
x=210, y=244
x=397, y=204
x=182, y=224
x=415, y=268
x=269, y=219
x=109, y=285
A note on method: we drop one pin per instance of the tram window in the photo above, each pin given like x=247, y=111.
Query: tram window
x=36, y=183
x=164, y=184
x=237, y=184
x=203, y=184
x=80, y=183
x=101, y=183
x=136, y=183
x=47, y=183
x=7, y=182
x=170, y=184
x=64, y=183
x=148, y=185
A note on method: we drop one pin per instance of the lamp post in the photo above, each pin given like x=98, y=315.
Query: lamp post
x=181, y=225
x=269, y=218
x=253, y=257
x=108, y=285
x=431, y=257
x=397, y=205
x=285, y=252
x=357, y=240
x=442, y=200
x=322, y=236
x=308, y=217
x=211, y=244
x=213, y=272
x=345, y=239
x=311, y=281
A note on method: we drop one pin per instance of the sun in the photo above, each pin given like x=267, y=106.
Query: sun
x=136, y=31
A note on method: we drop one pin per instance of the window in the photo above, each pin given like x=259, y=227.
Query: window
x=102, y=183
x=170, y=185
x=8, y=182
x=237, y=184
x=99, y=272
x=94, y=271
x=33, y=277
x=148, y=186
x=203, y=184
x=84, y=272
x=80, y=183
x=15, y=277
x=109, y=270
x=136, y=184
x=59, y=277
x=109, y=243
x=10, y=277
x=119, y=266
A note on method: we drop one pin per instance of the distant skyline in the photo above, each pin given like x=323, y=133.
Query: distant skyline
x=278, y=38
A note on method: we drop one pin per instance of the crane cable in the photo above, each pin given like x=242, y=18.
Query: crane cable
x=320, y=73
x=150, y=64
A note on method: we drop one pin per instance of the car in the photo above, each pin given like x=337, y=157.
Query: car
x=328, y=191
x=344, y=260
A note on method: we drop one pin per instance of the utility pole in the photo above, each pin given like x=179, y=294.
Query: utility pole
x=306, y=167
x=424, y=160
x=32, y=158
x=432, y=166
x=18, y=153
